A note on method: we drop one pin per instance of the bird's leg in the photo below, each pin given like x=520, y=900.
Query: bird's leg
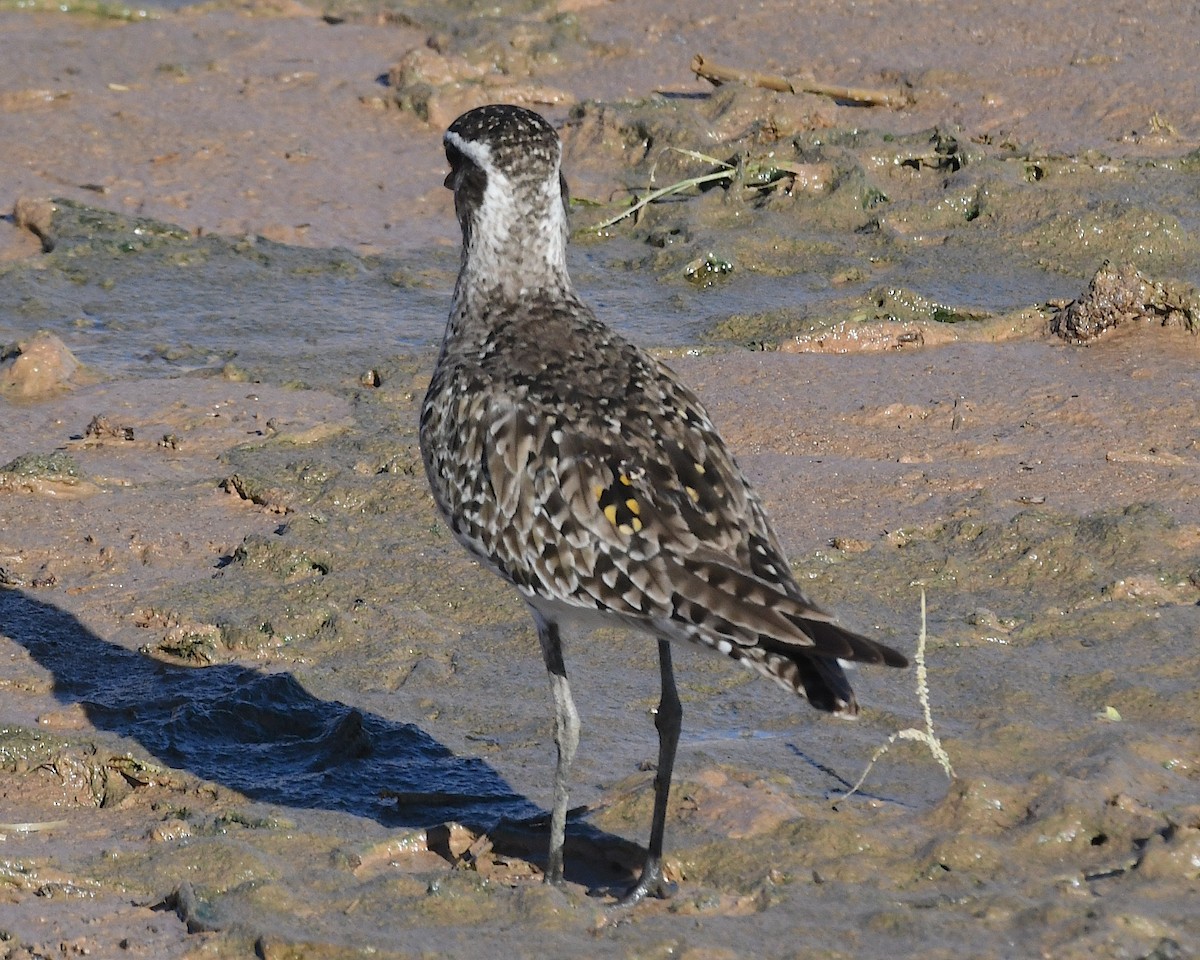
x=668, y=721
x=566, y=738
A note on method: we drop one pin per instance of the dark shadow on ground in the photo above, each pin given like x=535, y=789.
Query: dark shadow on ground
x=265, y=736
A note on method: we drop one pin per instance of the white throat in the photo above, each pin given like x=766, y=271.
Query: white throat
x=516, y=240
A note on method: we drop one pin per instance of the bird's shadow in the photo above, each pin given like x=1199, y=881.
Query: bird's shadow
x=265, y=736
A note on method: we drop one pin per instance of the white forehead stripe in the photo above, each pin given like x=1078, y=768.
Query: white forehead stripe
x=481, y=153
x=519, y=227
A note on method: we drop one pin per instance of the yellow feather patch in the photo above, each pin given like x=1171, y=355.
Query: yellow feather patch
x=618, y=506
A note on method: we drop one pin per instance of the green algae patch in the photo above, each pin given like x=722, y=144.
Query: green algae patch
x=22, y=748
x=99, y=9
x=217, y=864
x=78, y=228
x=285, y=561
x=897, y=304
x=1113, y=231
x=79, y=237
x=765, y=328
x=1044, y=554
x=47, y=466
x=883, y=318
x=54, y=474
x=927, y=228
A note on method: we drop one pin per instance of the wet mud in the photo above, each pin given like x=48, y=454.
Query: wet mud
x=256, y=701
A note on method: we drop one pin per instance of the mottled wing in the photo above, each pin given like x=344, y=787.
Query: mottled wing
x=655, y=522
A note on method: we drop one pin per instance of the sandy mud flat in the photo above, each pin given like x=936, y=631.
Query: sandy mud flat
x=254, y=700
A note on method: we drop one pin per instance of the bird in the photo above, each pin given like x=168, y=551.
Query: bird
x=586, y=474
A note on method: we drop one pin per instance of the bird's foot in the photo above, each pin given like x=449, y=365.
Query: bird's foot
x=651, y=883
x=554, y=869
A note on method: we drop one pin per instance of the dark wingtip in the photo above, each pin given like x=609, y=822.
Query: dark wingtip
x=834, y=640
x=822, y=678
x=893, y=658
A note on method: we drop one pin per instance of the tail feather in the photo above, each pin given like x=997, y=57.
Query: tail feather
x=819, y=677
x=777, y=634
x=748, y=611
x=862, y=649
x=825, y=686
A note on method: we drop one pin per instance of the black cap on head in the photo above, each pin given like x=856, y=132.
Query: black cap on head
x=507, y=138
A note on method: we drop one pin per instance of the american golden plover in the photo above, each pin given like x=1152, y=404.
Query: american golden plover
x=583, y=472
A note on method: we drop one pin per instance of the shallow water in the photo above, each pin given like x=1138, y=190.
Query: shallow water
x=139, y=297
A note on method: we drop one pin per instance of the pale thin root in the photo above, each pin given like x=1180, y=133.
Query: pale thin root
x=34, y=827
x=926, y=736
x=769, y=173
x=665, y=192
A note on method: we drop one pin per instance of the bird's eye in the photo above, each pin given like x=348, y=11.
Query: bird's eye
x=455, y=157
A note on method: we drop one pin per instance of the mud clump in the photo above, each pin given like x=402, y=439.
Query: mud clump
x=38, y=367
x=437, y=87
x=55, y=475
x=258, y=492
x=1123, y=294
x=100, y=428
x=489, y=58
x=37, y=217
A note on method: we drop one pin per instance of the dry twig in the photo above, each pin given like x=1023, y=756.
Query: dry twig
x=717, y=75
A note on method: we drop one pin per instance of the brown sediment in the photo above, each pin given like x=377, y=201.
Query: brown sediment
x=1042, y=621
x=224, y=668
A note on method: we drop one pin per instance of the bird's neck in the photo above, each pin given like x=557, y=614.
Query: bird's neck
x=513, y=250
